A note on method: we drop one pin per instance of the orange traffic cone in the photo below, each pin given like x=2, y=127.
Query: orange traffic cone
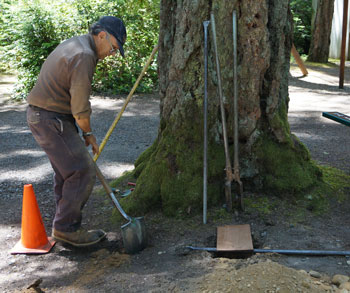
x=33, y=236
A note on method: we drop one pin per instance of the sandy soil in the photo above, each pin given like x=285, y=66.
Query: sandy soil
x=165, y=265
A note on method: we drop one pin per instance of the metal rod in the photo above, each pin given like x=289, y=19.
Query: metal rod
x=302, y=252
x=223, y=117
x=343, y=44
x=280, y=251
x=236, y=175
x=212, y=249
x=235, y=89
x=205, y=126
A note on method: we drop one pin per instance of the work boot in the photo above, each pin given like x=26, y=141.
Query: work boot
x=79, y=238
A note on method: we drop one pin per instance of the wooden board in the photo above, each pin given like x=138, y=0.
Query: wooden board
x=234, y=238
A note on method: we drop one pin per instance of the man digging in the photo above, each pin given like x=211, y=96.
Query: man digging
x=58, y=103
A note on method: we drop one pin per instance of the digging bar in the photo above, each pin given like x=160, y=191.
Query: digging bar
x=237, y=239
x=205, y=122
x=236, y=176
x=229, y=175
x=283, y=251
x=134, y=232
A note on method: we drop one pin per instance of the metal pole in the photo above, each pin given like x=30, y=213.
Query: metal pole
x=236, y=176
x=343, y=44
x=205, y=147
x=280, y=251
x=235, y=89
x=302, y=252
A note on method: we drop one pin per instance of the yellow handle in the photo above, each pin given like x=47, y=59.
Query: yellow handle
x=109, y=132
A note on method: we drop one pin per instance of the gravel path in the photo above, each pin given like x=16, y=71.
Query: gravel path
x=327, y=140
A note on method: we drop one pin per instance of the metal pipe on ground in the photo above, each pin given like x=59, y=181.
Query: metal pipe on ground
x=134, y=232
x=280, y=251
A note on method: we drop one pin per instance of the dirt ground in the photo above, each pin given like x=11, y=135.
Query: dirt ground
x=165, y=265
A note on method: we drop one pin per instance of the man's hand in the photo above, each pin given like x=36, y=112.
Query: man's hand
x=91, y=140
x=84, y=124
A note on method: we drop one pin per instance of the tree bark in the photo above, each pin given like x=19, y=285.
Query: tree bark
x=169, y=174
x=320, y=38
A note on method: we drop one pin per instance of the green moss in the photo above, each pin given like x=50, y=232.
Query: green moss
x=219, y=214
x=263, y=205
x=330, y=64
x=279, y=122
x=122, y=181
x=336, y=179
x=144, y=157
x=170, y=173
x=286, y=169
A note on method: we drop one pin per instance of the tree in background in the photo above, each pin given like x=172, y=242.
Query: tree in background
x=169, y=174
x=321, y=31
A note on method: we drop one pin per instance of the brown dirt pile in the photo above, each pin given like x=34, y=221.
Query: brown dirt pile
x=265, y=276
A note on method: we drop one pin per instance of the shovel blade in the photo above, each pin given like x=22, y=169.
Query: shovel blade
x=134, y=235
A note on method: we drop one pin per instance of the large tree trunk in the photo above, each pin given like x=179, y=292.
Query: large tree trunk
x=170, y=172
x=321, y=32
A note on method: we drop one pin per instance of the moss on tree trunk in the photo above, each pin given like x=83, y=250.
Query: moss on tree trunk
x=169, y=174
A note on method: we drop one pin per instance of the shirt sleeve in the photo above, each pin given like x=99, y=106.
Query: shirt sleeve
x=82, y=68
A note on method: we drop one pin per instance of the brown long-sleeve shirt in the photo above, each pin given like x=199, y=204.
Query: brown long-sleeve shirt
x=64, y=82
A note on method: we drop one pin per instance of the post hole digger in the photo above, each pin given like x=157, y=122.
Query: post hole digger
x=205, y=126
x=228, y=168
x=134, y=232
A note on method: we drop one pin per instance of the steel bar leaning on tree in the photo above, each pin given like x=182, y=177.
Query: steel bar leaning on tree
x=229, y=175
x=205, y=126
x=236, y=175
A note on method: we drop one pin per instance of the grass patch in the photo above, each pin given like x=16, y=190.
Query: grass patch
x=337, y=183
x=334, y=188
x=262, y=204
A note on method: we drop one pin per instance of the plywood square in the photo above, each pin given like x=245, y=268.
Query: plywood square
x=234, y=238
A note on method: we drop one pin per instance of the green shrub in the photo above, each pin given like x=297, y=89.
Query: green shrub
x=8, y=35
x=302, y=14
x=38, y=39
x=31, y=29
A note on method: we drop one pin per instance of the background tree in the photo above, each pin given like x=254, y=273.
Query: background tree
x=169, y=174
x=321, y=31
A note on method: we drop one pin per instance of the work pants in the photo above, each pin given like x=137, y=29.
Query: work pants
x=74, y=169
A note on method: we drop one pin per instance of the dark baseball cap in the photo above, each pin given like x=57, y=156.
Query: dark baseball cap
x=116, y=28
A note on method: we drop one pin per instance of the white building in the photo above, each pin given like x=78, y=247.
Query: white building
x=337, y=27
